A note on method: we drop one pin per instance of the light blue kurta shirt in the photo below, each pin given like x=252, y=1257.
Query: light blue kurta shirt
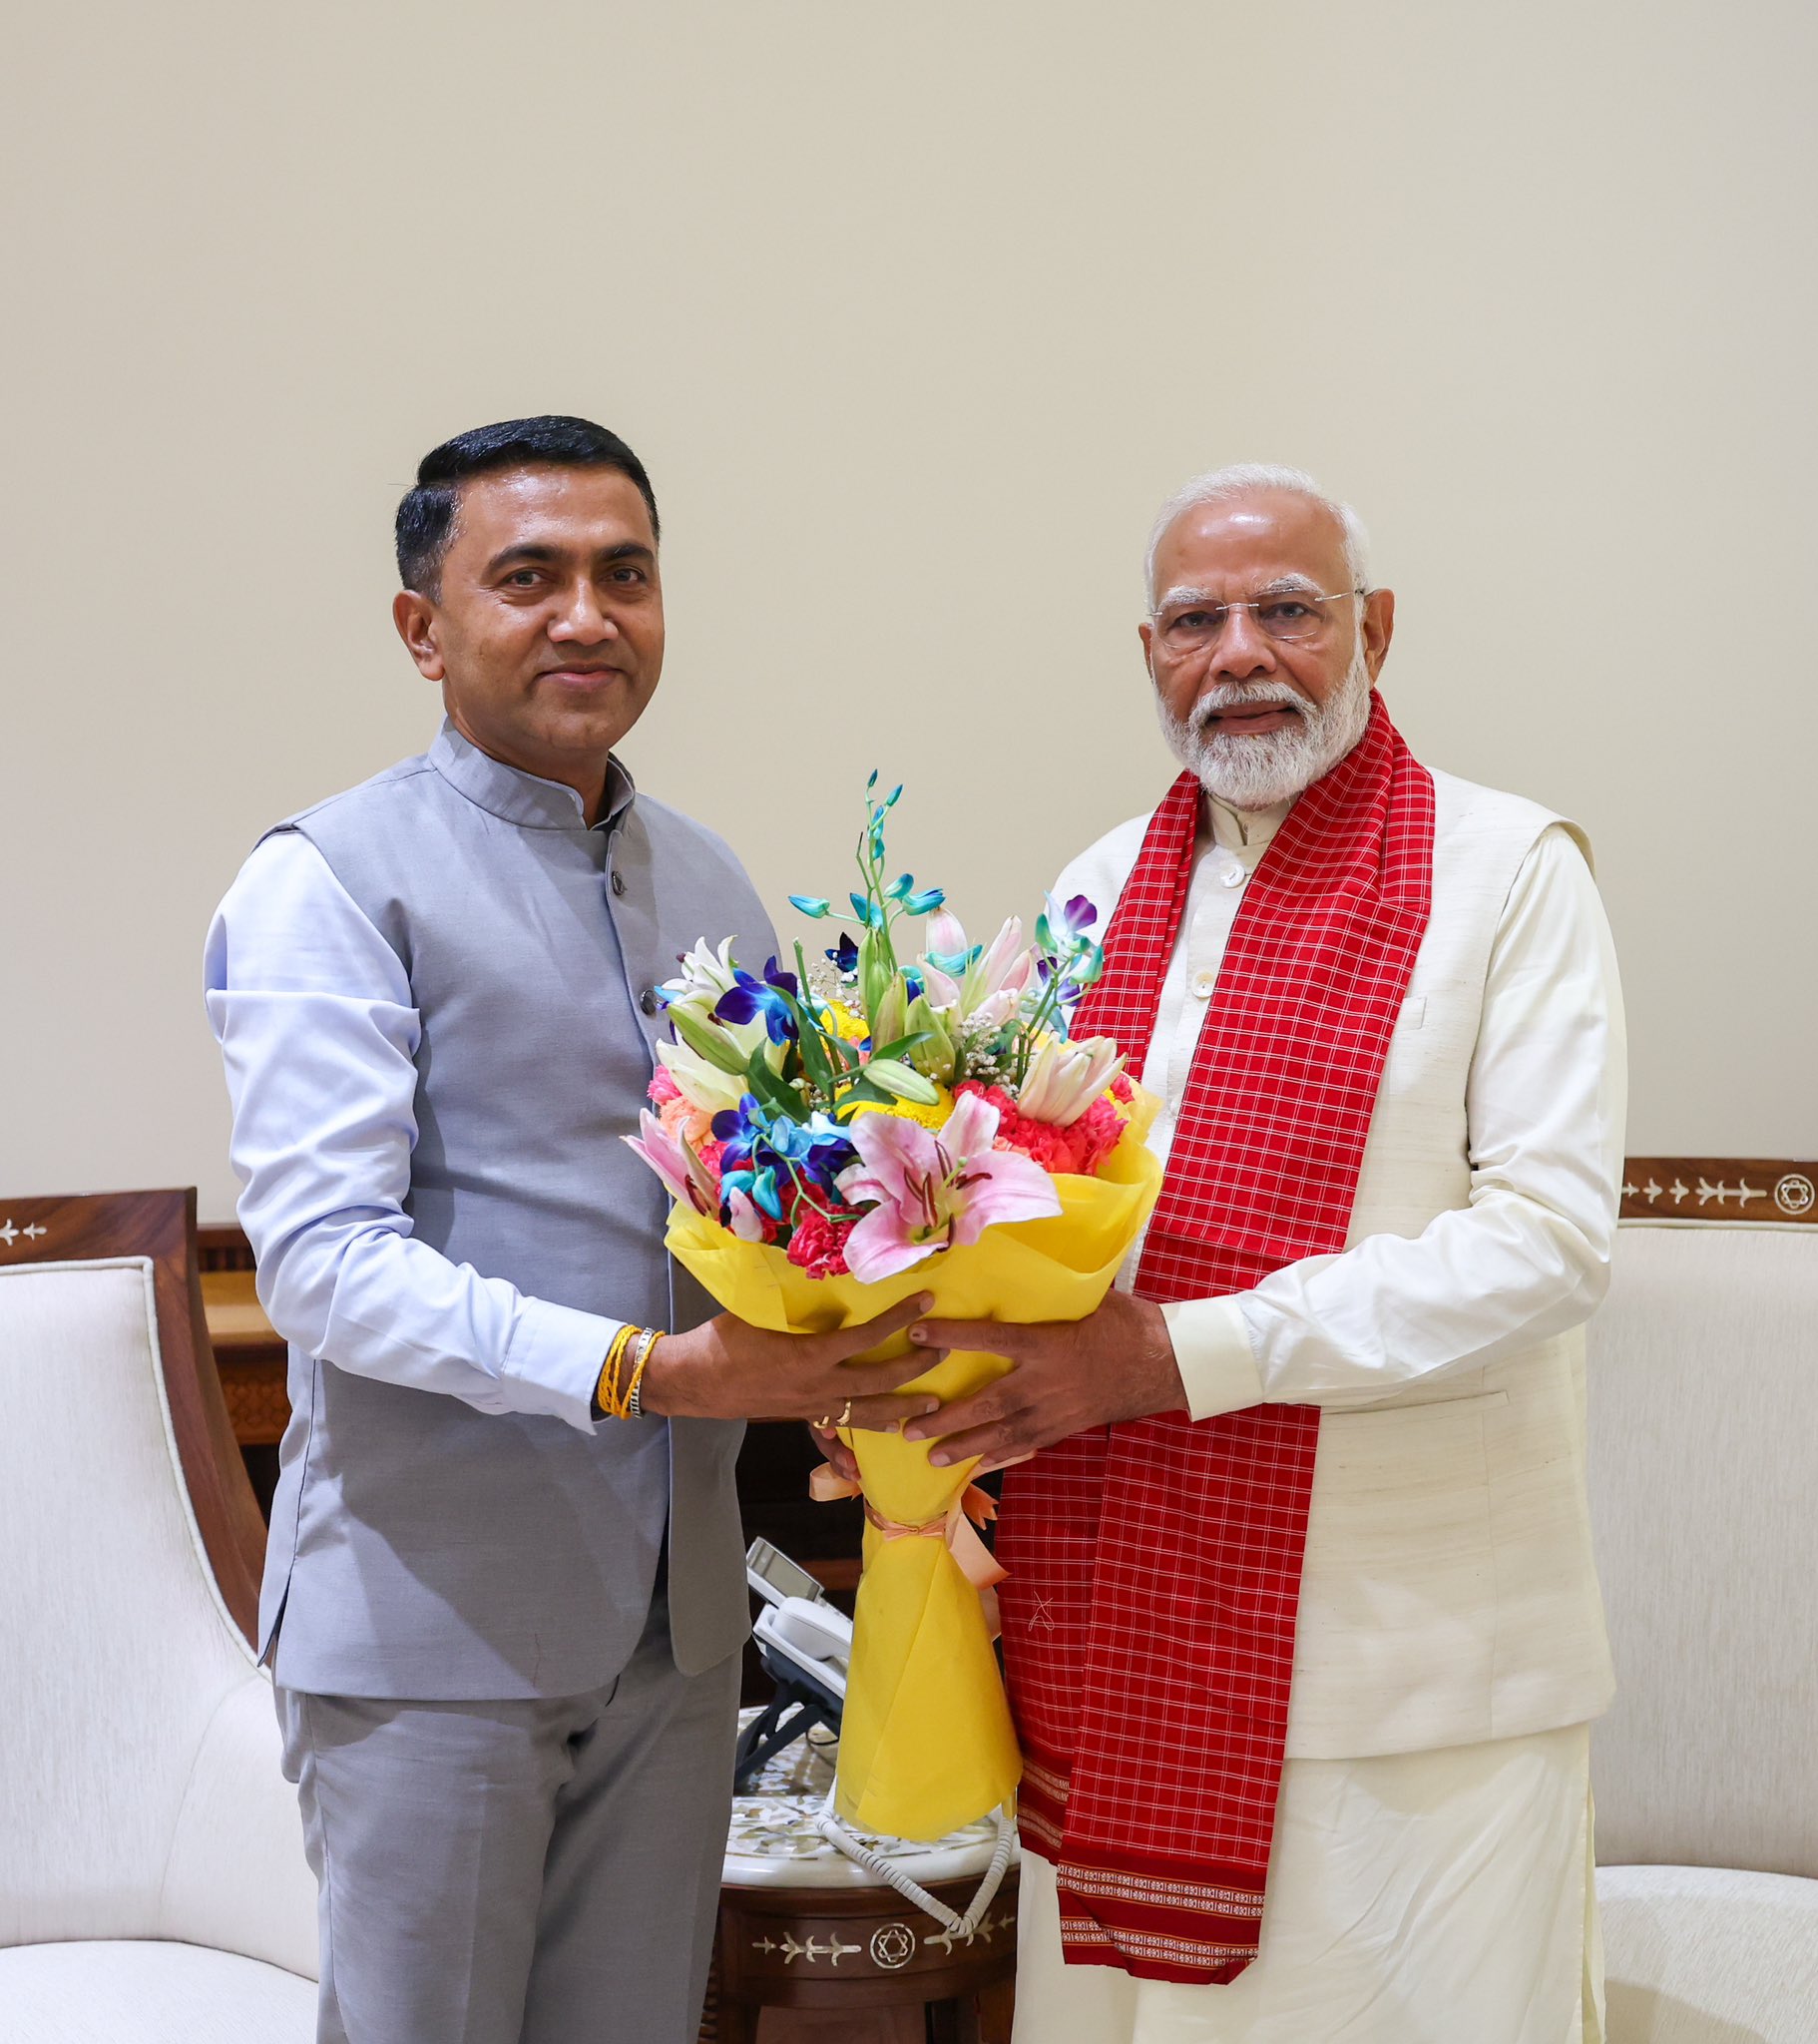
x=319, y=1030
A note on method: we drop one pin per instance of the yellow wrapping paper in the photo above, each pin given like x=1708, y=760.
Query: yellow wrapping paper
x=926, y=1743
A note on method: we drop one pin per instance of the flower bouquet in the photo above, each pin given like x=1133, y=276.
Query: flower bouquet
x=909, y=1114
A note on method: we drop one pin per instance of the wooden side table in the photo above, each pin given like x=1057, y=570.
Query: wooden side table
x=857, y=1953
x=803, y=1928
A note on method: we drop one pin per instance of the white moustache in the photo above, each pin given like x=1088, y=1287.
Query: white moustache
x=1225, y=696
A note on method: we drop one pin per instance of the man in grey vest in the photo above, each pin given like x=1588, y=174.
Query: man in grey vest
x=504, y=1584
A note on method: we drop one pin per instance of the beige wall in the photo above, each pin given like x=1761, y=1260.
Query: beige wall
x=915, y=313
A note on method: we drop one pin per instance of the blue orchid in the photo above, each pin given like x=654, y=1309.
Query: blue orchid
x=1062, y=929
x=748, y=998
x=756, y=1141
x=759, y=1187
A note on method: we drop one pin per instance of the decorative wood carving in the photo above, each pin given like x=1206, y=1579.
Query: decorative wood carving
x=161, y=1225
x=856, y=1951
x=1753, y=1188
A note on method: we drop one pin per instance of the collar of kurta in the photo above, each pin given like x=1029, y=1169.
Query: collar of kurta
x=1154, y=1566
x=1244, y=830
x=523, y=799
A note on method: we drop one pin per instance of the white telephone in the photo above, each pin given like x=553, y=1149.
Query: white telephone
x=812, y=1637
x=806, y=1645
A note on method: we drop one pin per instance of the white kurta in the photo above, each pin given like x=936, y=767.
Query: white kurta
x=1420, y=1897
x=1286, y=1340
x=1414, y=1898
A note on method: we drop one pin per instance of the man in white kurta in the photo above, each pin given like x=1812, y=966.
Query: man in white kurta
x=1430, y=1877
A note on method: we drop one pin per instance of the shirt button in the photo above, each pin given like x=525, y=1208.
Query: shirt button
x=1232, y=876
x=618, y=881
x=648, y=1000
x=1203, y=985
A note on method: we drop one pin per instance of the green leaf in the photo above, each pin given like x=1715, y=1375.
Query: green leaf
x=712, y=1044
x=813, y=1046
x=768, y=1088
x=860, y=1094
x=902, y=1046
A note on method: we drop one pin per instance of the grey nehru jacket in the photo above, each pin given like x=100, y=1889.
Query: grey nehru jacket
x=420, y=1547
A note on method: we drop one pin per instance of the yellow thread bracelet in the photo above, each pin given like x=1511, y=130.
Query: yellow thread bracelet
x=606, y=1393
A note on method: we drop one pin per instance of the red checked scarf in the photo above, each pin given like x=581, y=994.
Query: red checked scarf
x=1154, y=1566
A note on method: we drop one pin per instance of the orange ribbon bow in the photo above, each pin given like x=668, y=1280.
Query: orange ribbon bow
x=972, y=1508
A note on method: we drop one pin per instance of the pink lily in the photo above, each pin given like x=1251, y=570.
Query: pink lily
x=935, y=1190
x=687, y=1177
x=944, y=933
x=994, y=985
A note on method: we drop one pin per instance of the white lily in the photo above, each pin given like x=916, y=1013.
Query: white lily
x=705, y=974
x=705, y=1084
x=1065, y=1079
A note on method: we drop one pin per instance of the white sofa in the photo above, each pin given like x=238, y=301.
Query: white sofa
x=153, y=1886
x=1703, y=1414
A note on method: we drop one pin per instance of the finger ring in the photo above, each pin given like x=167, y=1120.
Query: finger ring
x=845, y=1413
x=824, y=1424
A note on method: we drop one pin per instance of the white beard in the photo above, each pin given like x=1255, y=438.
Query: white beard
x=1259, y=770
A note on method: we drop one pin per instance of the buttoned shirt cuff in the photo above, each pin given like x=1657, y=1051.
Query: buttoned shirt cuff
x=552, y=1361
x=1214, y=1354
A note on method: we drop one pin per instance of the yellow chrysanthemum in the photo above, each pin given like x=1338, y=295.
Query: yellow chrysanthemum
x=848, y=1025
x=933, y=1116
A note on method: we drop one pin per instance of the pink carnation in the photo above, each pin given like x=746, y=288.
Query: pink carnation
x=662, y=1088
x=688, y=1123
x=1079, y=1149
x=1098, y=1133
x=819, y=1245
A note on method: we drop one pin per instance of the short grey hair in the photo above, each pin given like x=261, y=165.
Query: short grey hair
x=1241, y=479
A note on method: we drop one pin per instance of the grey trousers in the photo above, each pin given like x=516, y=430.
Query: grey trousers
x=527, y=1872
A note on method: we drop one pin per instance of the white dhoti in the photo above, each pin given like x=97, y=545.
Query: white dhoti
x=1440, y=1897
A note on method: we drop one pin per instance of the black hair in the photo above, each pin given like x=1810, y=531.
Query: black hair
x=426, y=516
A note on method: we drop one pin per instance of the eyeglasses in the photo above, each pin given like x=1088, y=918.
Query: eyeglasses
x=1291, y=616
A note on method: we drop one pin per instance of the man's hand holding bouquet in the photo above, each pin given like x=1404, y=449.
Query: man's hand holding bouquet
x=906, y=1128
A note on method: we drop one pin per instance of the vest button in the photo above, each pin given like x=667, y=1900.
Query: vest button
x=618, y=881
x=648, y=1000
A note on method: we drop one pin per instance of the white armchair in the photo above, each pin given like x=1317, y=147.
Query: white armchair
x=1704, y=1400
x=153, y=1886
